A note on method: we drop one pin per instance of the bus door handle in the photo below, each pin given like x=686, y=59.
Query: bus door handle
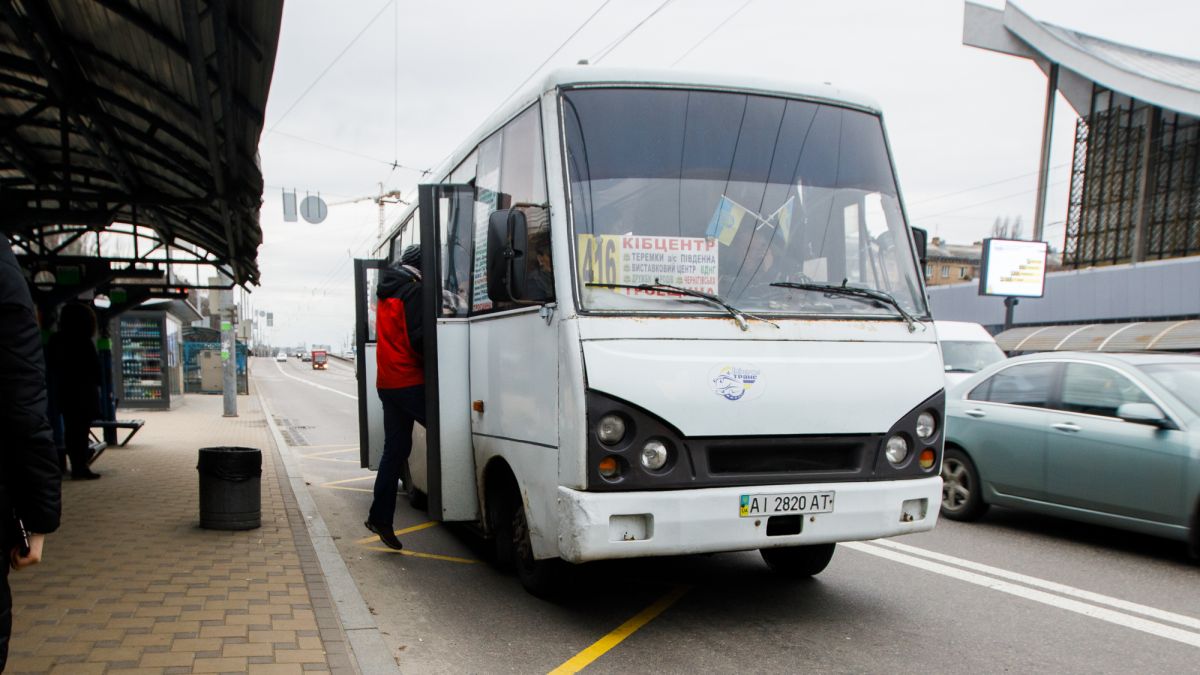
x=975, y=412
x=1067, y=426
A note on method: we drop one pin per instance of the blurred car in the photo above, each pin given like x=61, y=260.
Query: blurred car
x=306, y=357
x=281, y=356
x=1110, y=439
x=967, y=348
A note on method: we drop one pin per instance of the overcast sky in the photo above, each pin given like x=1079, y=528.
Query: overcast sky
x=965, y=124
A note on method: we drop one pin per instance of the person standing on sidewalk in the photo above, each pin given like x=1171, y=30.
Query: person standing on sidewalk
x=77, y=372
x=30, y=481
x=400, y=381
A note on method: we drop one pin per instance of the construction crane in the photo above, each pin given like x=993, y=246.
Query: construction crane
x=382, y=199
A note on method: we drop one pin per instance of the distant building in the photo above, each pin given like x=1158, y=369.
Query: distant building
x=951, y=263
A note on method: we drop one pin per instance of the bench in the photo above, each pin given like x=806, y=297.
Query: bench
x=131, y=425
x=97, y=448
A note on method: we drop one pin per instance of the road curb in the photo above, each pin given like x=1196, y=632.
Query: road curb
x=367, y=647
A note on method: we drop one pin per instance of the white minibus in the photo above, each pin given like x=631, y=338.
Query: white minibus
x=669, y=314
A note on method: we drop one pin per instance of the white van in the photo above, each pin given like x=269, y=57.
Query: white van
x=967, y=348
x=669, y=314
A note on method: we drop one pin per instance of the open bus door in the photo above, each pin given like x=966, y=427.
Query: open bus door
x=442, y=464
x=370, y=410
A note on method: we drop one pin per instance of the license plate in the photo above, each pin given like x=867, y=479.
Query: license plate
x=786, y=504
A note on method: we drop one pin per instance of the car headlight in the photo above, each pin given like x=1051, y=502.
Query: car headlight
x=896, y=450
x=654, y=455
x=611, y=429
x=926, y=425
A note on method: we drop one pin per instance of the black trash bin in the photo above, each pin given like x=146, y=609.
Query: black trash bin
x=230, y=488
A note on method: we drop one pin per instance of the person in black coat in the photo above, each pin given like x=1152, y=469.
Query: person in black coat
x=30, y=481
x=77, y=373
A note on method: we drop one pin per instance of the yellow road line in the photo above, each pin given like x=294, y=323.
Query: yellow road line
x=407, y=530
x=323, y=452
x=598, y=648
x=343, y=487
x=347, y=480
x=417, y=554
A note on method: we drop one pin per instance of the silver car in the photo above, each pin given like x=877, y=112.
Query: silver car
x=1111, y=439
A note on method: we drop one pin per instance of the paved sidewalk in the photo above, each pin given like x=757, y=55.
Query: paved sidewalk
x=131, y=583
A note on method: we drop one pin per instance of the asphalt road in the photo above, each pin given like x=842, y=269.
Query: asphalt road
x=1013, y=592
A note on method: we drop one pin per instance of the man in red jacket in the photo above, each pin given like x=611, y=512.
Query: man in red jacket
x=400, y=381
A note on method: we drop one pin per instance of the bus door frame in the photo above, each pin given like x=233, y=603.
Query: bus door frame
x=365, y=377
x=464, y=506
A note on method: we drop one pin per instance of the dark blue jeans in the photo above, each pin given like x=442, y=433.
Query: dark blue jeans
x=401, y=407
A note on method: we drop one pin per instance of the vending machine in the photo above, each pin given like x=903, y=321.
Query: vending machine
x=141, y=360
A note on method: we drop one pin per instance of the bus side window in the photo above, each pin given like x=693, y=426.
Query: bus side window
x=521, y=184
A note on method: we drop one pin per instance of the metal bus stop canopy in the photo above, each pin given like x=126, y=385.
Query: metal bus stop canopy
x=129, y=137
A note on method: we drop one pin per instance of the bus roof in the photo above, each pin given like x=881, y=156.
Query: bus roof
x=583, y=75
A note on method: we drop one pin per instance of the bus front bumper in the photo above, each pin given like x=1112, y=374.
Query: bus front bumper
x=603, y=525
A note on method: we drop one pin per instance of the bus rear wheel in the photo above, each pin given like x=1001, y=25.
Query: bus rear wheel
x=798, y=562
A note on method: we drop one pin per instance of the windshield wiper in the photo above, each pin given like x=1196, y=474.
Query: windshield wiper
x=854, y=292
x=738, y=315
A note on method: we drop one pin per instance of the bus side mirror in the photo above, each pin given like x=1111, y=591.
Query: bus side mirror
x=506, y=248
x=920, y=238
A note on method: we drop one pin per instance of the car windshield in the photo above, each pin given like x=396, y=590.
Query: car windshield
x=1181, y=379
x=728, y=193
x=969, y=357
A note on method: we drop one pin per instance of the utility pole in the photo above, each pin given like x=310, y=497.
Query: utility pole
x=229, y=358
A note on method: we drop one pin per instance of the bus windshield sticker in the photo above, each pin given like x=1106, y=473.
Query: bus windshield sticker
x=689, y=262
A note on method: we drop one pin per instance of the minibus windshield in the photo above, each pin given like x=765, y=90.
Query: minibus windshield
x=729, y=193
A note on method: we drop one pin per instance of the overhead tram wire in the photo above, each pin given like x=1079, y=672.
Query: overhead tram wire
x=984, y=202
x=552, y=55
x=332, y=63
x=711, y=32
x=985, y=185
x=600, y=56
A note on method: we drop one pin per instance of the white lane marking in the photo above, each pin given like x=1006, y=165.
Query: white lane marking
x=313, y=384
x=1099, y=599
x=1111, y=616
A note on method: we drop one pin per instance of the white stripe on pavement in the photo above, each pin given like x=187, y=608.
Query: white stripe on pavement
x=1111, y=616
x=313, y=384
x=1063, y=589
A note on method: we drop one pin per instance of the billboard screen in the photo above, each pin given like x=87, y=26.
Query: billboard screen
x=1013, y=268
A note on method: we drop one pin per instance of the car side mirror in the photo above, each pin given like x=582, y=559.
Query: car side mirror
x=506, y=248
x=921, y=239
x=1144, y=413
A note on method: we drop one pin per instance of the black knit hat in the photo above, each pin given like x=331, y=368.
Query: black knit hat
x=411, y=256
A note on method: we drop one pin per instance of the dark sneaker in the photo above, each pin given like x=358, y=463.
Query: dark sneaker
x=386, y=535
x=84, y=475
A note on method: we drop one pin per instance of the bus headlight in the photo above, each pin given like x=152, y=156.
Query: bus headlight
x=926, y=425
x=611, y=429
x=654, y=455
x=896, y=450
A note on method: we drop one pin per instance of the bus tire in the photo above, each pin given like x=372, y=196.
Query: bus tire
x=962, y=491
x=798, y=562
x=542, y=578
x=499, y=514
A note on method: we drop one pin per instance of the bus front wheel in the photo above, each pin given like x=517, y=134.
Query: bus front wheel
x=798, y=562
x=514, y=549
